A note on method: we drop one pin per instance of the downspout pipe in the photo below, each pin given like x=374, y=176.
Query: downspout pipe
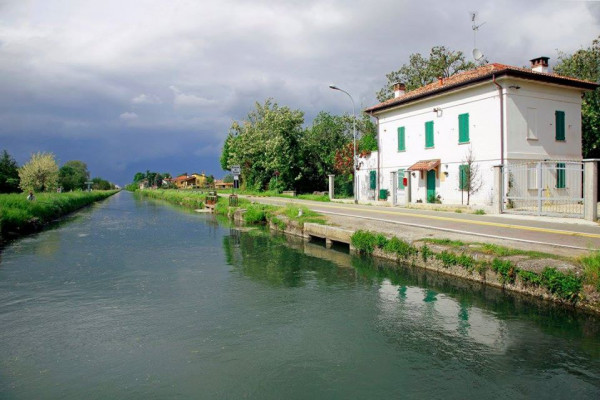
x=501, y=96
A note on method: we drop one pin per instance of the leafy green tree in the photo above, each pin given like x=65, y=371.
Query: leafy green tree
x=101, y=184
x=585, y=64
x=267, y=142
x=73, y=175
x=39, y=174
x=9, y=174
x=228, y=178
x=139, y=176
x=421, y=71
x=225, y=153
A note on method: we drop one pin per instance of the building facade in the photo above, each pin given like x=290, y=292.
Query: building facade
x=440, y=142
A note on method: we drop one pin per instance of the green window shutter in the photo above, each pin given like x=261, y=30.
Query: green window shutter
x=560, y=125
x=463, y=128
x=401, y=139
x=429, y=134
x=401, y=179
x=560, y=176
x=373, y=180
x=463, y=179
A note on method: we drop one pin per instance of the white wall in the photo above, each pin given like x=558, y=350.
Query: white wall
x=543, y=100
x=482, y=105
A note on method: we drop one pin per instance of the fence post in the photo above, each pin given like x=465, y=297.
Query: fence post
x=540, y=187
x=590, y=189
x=498, y=189
x=331, y=186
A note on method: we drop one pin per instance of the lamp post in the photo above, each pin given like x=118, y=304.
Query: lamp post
x=354, y=141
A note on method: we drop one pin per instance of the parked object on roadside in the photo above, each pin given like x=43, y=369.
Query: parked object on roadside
x=30, y=197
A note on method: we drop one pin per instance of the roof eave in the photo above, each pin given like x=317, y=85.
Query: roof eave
x=507, y=72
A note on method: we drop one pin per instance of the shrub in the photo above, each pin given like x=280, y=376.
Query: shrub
x=529, y=278
x=255, y=214
x=591, y=269
x=479, y=212
x=505, y=269
x=364, y=241
x=426, y=252
x=565, y=286
x=399, y=247
x=381, y=240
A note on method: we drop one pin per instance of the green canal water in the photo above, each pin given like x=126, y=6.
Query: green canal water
x=135, y=299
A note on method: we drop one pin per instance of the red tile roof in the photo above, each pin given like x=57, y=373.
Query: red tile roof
x=424, y=165
x=478, y=75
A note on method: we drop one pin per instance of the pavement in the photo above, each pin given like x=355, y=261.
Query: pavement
x=562, y=236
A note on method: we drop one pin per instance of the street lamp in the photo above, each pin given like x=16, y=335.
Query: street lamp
x=354, y=141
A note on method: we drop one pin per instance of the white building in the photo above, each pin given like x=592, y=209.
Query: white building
x=501, y=114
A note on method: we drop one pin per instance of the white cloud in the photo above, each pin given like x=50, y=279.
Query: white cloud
x=189, y=100
x=128, y=116
x=146, y=99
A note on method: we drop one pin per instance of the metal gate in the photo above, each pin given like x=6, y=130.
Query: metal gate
x=552, y=188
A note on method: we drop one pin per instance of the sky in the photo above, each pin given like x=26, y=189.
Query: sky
x=127, y=86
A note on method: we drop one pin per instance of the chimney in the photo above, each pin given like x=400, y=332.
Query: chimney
x=540, y=64
x=399, y=89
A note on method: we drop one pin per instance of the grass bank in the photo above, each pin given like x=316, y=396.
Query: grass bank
x=19, y=216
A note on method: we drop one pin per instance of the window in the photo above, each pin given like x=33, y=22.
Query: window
x=532, y=123
x=463, y=128
x=428, y=134
x=372, y=180
x=559, y=117
x=463, y=177
x=401, y=139
x=560, y=176
x=401, y=179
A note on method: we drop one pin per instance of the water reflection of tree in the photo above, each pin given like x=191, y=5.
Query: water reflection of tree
x=269, y=259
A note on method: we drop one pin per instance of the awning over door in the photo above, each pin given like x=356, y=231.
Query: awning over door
x=424, y=165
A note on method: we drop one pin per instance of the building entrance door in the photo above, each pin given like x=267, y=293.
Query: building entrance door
x=431, y=186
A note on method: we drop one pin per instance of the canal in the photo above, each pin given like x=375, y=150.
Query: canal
x=136, y=299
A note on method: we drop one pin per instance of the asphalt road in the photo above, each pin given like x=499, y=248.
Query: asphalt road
x=556, y=232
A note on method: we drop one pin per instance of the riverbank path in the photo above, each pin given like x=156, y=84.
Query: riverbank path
x=563, y=236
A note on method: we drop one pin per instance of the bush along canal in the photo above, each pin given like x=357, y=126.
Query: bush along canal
x=20, y=216
x=571, y=282
x=134, y=299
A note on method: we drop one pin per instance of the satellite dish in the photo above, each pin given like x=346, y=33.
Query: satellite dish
x=477, y=54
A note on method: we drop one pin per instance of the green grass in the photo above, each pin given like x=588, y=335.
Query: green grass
x=445, y=242
x=479, y=212
x=591, y=269
x=292, y=211
x=185, y=198
x=18, y=215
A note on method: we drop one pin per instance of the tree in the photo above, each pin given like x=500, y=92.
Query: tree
x=421, y=71
x=73, y=175
x=268, y=141
x=469, y=178
x=101, y=184
x=228, y=178
x=139, y=176
x=585, y=64
x=9, y=174
x=39, y=174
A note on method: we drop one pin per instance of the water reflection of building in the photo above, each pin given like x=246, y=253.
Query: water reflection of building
x=415, y=308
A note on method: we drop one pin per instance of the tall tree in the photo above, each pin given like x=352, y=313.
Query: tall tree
x=73, y=175
x=420, y=70
x=266, y=146
x=9, y=174
x=585, y=64
x=39, y=174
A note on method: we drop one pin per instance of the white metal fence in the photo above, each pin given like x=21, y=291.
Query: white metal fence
x=544, y=188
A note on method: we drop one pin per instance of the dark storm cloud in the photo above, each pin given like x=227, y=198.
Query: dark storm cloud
x=129, y=86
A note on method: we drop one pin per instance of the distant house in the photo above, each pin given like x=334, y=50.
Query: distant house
x=502, y=115
x=201, y=180
x=185, y=181
x=143, y=184
x=219, y=184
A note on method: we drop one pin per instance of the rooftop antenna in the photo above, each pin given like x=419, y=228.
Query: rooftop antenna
x=477, y=54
